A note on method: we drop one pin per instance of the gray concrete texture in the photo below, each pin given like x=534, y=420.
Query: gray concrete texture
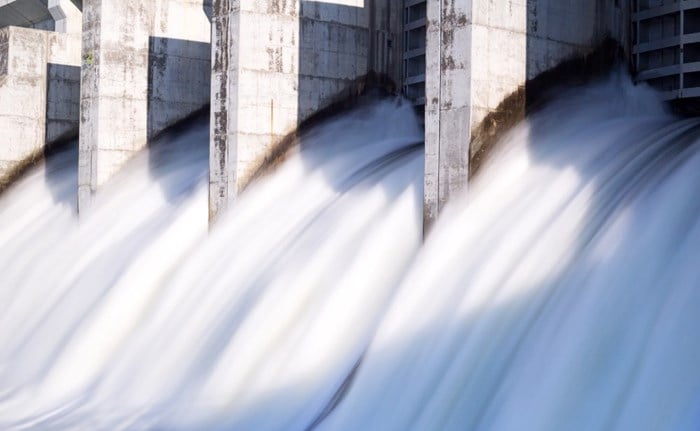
x=277, y=62
x=272, y=64
x=145, y=66
x=481, y=51
x=39, y=91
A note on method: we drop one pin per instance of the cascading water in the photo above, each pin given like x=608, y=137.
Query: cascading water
x=131, y=318
x=562, y=293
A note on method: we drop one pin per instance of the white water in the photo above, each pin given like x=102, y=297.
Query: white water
x=564, y=294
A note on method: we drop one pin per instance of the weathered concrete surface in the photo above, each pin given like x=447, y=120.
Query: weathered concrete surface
x=114, y=89
x=277, y=62
x=448, y=100
x=481, y=51
x=62, y=86
x=38, y=92
x=145, y=66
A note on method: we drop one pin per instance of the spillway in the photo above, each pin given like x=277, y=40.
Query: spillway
x=560, y=292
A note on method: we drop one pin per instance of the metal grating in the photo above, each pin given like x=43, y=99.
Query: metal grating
x=414, y=26
x=666, y=46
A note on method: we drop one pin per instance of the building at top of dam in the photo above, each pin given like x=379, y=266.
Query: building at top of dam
x=666, y=41
x=115, y=73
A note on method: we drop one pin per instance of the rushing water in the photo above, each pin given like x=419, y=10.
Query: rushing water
x=563, y=292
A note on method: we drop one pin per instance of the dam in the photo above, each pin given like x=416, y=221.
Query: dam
x=121, y=72
x=349, y=215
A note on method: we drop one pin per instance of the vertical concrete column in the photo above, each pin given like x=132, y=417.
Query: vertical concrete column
x=477, y=62
x=114, y=89
x=145, y=66
x=479, y=57
x=275, y=63
x=448, y=102
x=222, y=172
x=255, y=80
x=68, y=18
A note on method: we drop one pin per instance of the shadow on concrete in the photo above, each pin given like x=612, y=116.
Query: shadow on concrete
x=178, y=80
x=178, y=102
x=62, y=119
x=178, y=158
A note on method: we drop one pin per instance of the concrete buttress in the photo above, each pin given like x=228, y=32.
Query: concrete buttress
x=481, y=53
x=275, y=63
x=145, y=65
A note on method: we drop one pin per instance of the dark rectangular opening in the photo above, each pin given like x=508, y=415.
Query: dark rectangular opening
x=691, y=21
x=666, y=83
x=659, y=58
x=659, y=28
x=691, y=80
x=691, y=53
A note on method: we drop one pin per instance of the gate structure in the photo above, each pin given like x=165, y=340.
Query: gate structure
x=666, y=46
x=414, y=25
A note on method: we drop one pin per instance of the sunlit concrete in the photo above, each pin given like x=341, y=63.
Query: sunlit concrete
x=277, y=63
x=145, y=66
x=478, y=53
x=39, y=89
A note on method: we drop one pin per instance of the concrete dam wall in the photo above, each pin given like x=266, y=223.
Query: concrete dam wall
x=39, y=92
x=278, y=62
x=479, y=53
x=146, y=65
x=266, y=66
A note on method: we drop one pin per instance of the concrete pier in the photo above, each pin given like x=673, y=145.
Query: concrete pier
x=145, y=65
x=39, y=80
x=276, y=63
x=480, y=52
x=272, y=64
x=39, y=91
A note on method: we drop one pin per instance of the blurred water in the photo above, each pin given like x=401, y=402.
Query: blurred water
x=561, y=293
x=133, y=316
